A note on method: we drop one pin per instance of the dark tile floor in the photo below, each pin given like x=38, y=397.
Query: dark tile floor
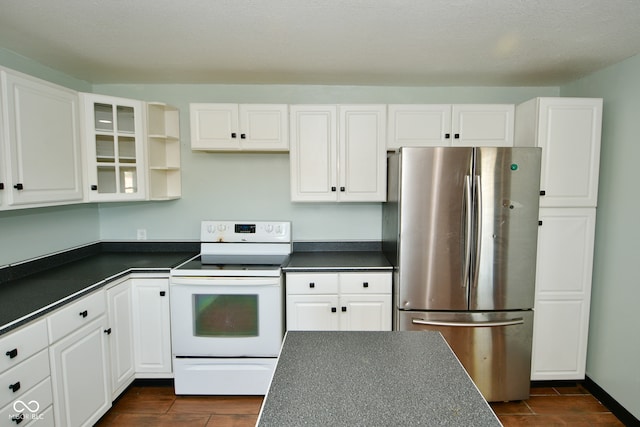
x=158, y=406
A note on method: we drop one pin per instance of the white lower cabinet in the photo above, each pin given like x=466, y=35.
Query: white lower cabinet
x=563, y=293
x=120, y=333
x=151, y=327
x=81, y=376
x=349, y=301
x=79, y=360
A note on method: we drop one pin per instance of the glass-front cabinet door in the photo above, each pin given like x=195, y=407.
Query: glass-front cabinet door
x=114, y=147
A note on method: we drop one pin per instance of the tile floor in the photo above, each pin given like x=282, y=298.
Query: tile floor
x=157, y=406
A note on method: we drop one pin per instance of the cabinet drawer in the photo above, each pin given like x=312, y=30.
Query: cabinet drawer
x=19, y=379
x=76, y=315
x=369, y=283
x=312, y=283
x=23, y=343
x=38, y=399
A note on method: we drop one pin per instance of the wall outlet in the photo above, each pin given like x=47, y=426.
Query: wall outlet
x=142, y=234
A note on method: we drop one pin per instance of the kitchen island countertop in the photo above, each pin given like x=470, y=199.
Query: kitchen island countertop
x=371, y=378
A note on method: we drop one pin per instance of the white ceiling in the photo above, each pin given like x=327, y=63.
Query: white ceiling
x=378, y=42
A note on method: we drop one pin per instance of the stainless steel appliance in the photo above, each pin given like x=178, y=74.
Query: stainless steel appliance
x=460, y=227
x=227, y=308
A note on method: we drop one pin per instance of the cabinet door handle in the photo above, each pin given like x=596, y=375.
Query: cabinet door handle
x=12, y=353
x=365, y=284
x=94, y=188
x=84, y=314
x=15, y=387
x=107, y=331
x=233, y=134
x=19, y=186
x=163, y=293
x=312, y=284
x=333, y=309
x=344, y=309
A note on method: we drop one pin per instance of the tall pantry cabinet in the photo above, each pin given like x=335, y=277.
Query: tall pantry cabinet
x=568, y=130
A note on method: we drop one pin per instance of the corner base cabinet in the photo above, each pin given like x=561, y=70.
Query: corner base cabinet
x=338, y=301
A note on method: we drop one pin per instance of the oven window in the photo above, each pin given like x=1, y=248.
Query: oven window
x=225, y=315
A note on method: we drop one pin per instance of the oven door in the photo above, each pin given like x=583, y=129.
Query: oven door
x=226, y=316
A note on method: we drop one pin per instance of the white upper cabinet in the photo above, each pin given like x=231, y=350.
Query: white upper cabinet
x=114, y=144
x=41, y=145
x=464, y=125
x=568, y=130
x=338, y=153
x=234, y=127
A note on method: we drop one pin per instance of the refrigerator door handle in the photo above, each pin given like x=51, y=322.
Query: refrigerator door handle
x=477, y=230
x=468, y=200
x=490, y=324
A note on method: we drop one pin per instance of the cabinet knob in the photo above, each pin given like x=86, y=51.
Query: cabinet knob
x=15, y=387
x=342, y=189
x=539, y=223
x=243, y=136
x=344, y=309
x=94, y=188
x=447, y=135
x=543, y=193
x=365, y=284
x=456, y=136
x=107, y=331
x=1, y=185
x=333, y=188
x=84, y=313
x=333, y=309
x=19, y=186
x=12, y=353
x=312, y=284
x=163, y=293
x=233, y=134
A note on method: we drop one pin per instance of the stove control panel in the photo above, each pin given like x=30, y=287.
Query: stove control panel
x=245, y=231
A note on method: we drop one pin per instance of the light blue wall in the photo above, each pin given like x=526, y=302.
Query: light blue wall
x=256, y=186
x=614, y=329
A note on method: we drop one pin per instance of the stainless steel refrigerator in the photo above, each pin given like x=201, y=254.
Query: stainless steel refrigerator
x=460, y=227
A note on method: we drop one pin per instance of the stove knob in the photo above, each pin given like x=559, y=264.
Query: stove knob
x=269, y=228
x=222, y=227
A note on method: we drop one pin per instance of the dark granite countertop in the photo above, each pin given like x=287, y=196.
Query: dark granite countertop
x=30, y=290
x=337, y=261
x=371, y=379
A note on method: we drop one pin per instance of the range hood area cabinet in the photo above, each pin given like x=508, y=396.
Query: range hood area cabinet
x=457, y=125
x=40, y=145
x=338, y=153
x=239, y=127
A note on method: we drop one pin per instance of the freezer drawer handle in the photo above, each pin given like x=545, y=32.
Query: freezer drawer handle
x=510, y=322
